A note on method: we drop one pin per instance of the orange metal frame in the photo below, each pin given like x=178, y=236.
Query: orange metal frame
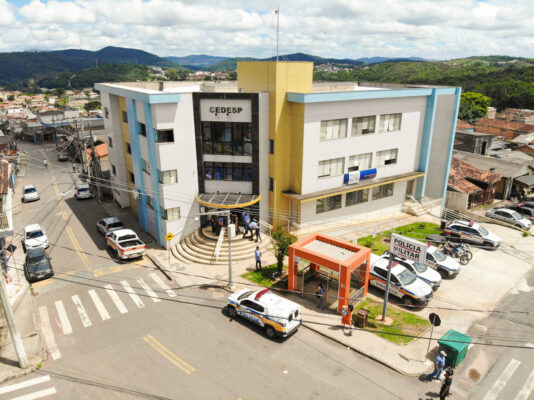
x=361, y=259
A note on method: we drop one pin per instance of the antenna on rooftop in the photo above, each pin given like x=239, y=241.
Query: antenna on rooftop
x=277, y=12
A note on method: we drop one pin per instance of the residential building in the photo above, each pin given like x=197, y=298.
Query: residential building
x=294, y=153
x=507, y=129
x=473, y=142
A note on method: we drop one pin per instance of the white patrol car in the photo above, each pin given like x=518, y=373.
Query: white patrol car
x=472, y=232
x=447, y=266
x=404, y=284
x=278, y=316
x=427, y=274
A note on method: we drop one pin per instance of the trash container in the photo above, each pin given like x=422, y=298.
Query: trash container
x=361, y=318
x=455, y=344
x=443, y=224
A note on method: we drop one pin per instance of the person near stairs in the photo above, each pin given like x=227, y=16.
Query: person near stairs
x=257, y=256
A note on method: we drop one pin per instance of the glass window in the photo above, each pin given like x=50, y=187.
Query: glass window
x=360, y=196
x=217, y=148
x=271, y=184
x=360, y=162
x=142, y=129
x=390, y=122
x=247, y=175
x=333, y=167
x=271, y=146
x=208, y=147
x=218, y=167
x=206, y=131
x=386, y=157
x=238, y=172
x=382, y=191
x=171, y=214
x=247, y=132
x=333, y=129
x=165, y=136
x=237, y=139
x=363, y=125
x=146, y=166
x=227, y=132
x=208, y=171
x=113, y=169
x=247, y=149
x=124, y=116
x=149, y=202
x=132, y=177
x=128, y=148
x=228, y=174
x=328, y=204
x=217, y=131
x=168, y=177
x=110, y=142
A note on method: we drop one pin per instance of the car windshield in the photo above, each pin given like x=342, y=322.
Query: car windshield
x=516, y=215
x=246, y=294
x=34, y=234
x=115, y=225
x=420, y=267
x=83, y=189
x=37, y=259
x=41, y=267
x=406, y=277
x=483, y=231
x=29, y=190
x=439, y=255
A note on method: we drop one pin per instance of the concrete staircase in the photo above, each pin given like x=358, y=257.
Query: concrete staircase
x=413, y=207
x=199, y=247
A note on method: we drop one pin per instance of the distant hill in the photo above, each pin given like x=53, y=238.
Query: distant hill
x=196, y=60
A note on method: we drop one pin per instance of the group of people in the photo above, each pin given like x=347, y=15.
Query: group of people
x=439, y=367
x=250, y=225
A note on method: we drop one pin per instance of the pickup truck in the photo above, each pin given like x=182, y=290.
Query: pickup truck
x=125, y=243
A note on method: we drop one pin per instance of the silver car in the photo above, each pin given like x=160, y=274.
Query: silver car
x=30, y=193
x=83, y=192
x=510, y=216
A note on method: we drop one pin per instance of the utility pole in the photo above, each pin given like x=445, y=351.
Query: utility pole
x=96, y=163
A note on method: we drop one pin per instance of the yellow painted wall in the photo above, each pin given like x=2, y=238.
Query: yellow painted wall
x=286, y=121
x=125, y=134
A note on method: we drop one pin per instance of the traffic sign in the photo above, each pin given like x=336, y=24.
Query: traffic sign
x=169, y=236
x=434, y=319
x=407, y=248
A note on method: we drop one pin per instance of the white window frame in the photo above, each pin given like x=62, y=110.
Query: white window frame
x=383, y=191
x=168, y=177
x=390, y=123
x=330, y=168
x=363, y=125
x=145, y=166
x=360, y=162
x=385, y=158
x=173, y=215
x=333, y=129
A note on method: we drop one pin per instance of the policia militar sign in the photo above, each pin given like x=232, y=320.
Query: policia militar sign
x=408, y=249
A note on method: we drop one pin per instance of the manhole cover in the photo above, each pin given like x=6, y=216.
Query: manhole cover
x=473, y=375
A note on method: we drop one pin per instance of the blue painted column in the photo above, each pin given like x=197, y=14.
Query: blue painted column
x=458, y=96
x=426, y=143
x=154, y=173
x=133, y=127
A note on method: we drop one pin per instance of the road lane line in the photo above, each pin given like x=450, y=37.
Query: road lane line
x=25, y=384
x=189, y=366
x=156, y=278
x=527, y=388
x=62, y=314
x=167, y=356
x=149, y=291
x=81, y=310
x=37, y=395
x=503, y=379
x=116, y=299
x=48, y=333
x=135, y=298
x=99, y=306
x=77, y=246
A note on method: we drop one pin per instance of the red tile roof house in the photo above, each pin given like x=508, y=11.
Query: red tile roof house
x=508, y=129
x=469, y=186
x=465, y=126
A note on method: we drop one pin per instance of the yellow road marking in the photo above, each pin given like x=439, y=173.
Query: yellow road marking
x=169, y=355
x=77, y=246
x=56, y=187
x=113, y=269
x=51, y=280
x=64, y=215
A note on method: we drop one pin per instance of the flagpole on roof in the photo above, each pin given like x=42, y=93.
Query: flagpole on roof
x=277, y=12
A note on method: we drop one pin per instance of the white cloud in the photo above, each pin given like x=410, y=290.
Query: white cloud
x=336, y=28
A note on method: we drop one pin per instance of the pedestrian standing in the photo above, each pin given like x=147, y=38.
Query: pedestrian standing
x=319, y=293
x=246, y=223
x=257, y=255
x=446, y=385
x=257, y=230
x=439, y=364
x=253, y=226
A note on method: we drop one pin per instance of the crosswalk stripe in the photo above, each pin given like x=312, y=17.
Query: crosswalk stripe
x=99, y=306
x=25, y=384
x=48, y=333
x=135, y=298
x=149, y=291
x=86, y=322
x=36, y=395
x=527, y=388
x=156, y=278
x=65, y=323
x=503, y=379
x=116, y=299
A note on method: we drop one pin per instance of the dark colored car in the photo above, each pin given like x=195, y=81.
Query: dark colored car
x=526, y=209
x=37, y=266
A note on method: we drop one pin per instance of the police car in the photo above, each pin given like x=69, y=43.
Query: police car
x=403, y=284
x=472, y=232
x=428, y=275
x=447, y=266
x=277, y=315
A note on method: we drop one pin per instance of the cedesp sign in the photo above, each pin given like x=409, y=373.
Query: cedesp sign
x=409, y=249
x=225, y=110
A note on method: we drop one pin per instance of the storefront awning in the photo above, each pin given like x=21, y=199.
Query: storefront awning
x=227, y=200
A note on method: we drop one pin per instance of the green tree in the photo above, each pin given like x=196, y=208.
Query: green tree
x=92, y=105
x=59, y=92
x=473, y=106
x=281, y=241
x=11, y=97
x=232, y=75
x=171, y=74
x=87, y=93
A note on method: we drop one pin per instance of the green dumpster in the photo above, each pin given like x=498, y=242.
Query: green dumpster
x=455, y=344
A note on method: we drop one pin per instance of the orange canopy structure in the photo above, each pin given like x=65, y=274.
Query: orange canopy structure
x=335, y=254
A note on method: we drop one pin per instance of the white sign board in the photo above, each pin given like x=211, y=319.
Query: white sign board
x=407, y=248
x=238, y=110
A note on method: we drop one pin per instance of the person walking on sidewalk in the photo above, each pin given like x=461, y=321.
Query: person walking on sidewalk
x=438, y=366
x=446, y=385
x=257, y=255
x=319, y=293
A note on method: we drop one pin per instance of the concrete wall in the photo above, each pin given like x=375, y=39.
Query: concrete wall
x=456, y=201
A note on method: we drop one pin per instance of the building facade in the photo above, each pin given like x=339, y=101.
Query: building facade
x=293, y=153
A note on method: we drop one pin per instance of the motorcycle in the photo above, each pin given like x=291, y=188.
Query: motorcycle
x=457, y=251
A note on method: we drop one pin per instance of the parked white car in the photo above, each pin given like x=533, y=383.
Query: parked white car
x=509, y=216
x=30, y=193
x=34, y=237
x=423, y=272
x=447, y=266
x=83, y=192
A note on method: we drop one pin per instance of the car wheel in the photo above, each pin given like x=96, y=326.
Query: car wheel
x=444, y=274
x=464, y=259
x=119, y=255
x=232, y=312
x=407, y=301
x=270, y=332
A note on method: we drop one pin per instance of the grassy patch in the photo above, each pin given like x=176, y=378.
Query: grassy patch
x=525, y=234
x=417, y=230
x=404, y=322
x=263, y=277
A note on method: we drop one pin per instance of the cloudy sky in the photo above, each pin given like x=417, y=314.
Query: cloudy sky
x=437, y=29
